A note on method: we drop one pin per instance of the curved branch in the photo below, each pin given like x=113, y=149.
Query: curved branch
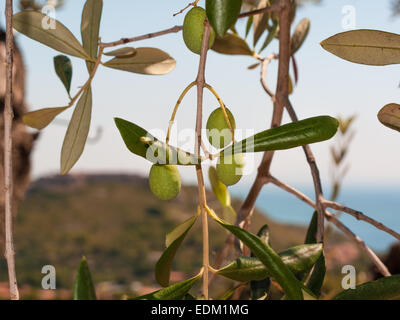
x=331, y=218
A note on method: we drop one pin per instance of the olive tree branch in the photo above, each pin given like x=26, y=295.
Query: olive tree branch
x=8, y=165
x=273, y=8
x=316, y=178
x=331, y=218
x=200, y=82
x=122, y=41
x=360, y=216
x=279, y=103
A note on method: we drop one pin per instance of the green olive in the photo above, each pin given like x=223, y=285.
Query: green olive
x=165, y=181
x=230, y=168
x=193, y=30
x=218, y=132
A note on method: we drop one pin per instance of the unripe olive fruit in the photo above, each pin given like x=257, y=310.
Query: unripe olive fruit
x=165, y=181
x=193, y=30
x=218, y=132
x=229, y=168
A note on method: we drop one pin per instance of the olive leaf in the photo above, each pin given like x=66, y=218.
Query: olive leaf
x=149, y=61
x=143, y=144
x=58, y=37
x=83, y=285
x=288, y=136
x=387, y=288
x=260, y=22
x=177, y=291
x=220, y=190
x=299, y=35
x=260, y=288
x=267, y=256
x=389, y=116
x=271, y=35
x=298, y=260
x=371, y=47
x=63, y=68
x=40, y=119
x=231, y=44
x=222, y=14
x=316, y=279
x=125, y=52
x=173, y=241
x=249, y=24
x=77, y=132
x=90, y=27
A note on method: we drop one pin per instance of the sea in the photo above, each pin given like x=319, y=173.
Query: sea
x=382, y=204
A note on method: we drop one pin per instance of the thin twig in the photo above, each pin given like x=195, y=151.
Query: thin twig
x=122, y=41
x=331, y=218
x=200, y=82
x=263, y=72
x=276, y=7
x=188, y=6
x=8, y=166
x=316, y=178
x=360, y=216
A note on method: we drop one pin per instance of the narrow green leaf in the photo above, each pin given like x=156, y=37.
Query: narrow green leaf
x=232, y=44
x=271, y=35
x=220, y=190
x=298, y=260
x=173, y=240
x=312, y=229
x=57, y=37
x=389, y=116
x=260, y=288
x=90, y=27
x=299, y=35
x=387, y=288
x=371, y=47
x=63, y=68
x=230, y=292
x=77, y=132
x=260, y=22
x=143, y=144
x=125, y=52
x=249, y=24
x=316, y=279
x=39, y=119
x=222, y=14
x=288, y=136
x=150, y=61
x=229, y=214
x=83, y=285
x=176, y=291
x=267, y=256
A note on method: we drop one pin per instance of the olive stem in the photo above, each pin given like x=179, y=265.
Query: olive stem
x=200, y=82
x=223, y=107
x=8, y=155
x=171, y=121
x=194, y=4
x=91, y=76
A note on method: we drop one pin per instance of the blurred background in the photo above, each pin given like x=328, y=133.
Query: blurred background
x=104, y=210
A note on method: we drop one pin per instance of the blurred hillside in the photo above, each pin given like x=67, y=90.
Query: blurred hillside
x=117, y=223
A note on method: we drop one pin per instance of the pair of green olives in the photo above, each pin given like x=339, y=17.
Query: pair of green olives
x=229, y=167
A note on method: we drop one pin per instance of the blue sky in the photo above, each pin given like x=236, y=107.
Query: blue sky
x=327, y=85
